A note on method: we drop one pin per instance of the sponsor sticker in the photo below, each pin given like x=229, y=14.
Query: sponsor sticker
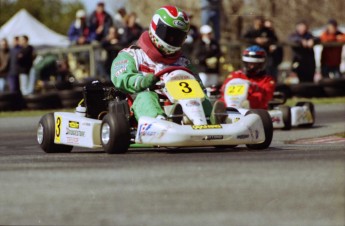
x=207, y=127
x=193, y=103
x=276, y=119
x=73, y=124
x=213, y=137
x=144, y=130
x=72, y=140
x=73, y=132
x=121, y=62
x=179, y=24
x=243, y=136
x=120, y=67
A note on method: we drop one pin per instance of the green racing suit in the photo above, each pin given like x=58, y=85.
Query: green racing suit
x=132, y=72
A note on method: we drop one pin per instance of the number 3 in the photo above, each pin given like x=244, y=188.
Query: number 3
x=185, y=86
x=58, y=126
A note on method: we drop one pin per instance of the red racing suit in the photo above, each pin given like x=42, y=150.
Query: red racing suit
x=260, y=91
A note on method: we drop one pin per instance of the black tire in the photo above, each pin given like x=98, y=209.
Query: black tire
x=307, y=90
x=268, y=129
x=11, y=101
x=49, y=100
x=286, y=110
x=71, y=98
x=71, y=94
x=119, y=136
x=312, y=110
x=10, y=97
x=47, y=123
x=284, y=89
x=70, y=103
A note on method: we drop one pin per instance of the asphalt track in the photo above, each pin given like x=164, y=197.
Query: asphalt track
x=288, y=184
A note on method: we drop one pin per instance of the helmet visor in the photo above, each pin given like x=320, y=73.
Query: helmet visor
x=170, y=35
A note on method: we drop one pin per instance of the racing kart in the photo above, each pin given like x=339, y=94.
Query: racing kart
x=283, y=116
x=104, y=121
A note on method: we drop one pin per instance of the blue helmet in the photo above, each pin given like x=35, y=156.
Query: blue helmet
x=254, y=58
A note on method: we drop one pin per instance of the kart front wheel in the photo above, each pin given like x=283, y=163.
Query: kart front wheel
x=286, y=111
x=115, y=133
x=268, y=129
x=311, y=107
x=46, y=135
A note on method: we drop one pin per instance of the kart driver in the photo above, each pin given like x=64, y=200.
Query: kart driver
x=261, y=85
x=133, y=70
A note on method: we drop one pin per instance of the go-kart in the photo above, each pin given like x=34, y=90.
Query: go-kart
x=283, y=117
x=106, y=121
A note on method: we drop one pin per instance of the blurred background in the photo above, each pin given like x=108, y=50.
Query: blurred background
x=51, y=48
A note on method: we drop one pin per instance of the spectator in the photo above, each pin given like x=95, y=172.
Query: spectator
x=79, y=32
x=303, y=62
x=4, y=63
x=192, y=37
x=210, y=15
x=100, y=22
x=112, y=46
x=331, y=55
x=25, y=60
x=132, y=30
x=265, y=38
x=13, y=74
x=275, y=53
x=207, y=53
x=119, y=20
x=49, y=65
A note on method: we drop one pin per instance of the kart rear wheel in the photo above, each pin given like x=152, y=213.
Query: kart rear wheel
x=115, y=133
x=46, y=134
x=286, y=110
x=311, y=107
x=268, y=129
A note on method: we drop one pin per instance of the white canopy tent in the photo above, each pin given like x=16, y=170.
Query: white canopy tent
x=22, y=23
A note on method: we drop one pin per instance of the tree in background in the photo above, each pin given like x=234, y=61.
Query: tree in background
x=55, y=14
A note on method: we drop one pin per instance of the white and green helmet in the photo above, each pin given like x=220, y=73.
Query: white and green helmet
x=168, y=29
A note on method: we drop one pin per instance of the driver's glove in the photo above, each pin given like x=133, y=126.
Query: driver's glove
x=148, y=81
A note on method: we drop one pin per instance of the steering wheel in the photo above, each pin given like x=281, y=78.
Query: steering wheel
x=170, y=69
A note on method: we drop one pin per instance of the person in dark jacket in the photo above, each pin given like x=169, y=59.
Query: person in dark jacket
x=303, y=62
x=207, y=53
x=25, y=61
x=79, y=29
x=132, y=30
x=266, y=39
x=100, y=22
x=210, y=15
x=13, y=74
x=275, y=53
x=4, y=63
x=112, y=46
x=331, y=55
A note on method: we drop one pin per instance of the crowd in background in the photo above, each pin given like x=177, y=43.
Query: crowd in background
x=202, y=46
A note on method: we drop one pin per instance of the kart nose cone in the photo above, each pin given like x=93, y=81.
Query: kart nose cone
x=40, y=131
x=105, y=136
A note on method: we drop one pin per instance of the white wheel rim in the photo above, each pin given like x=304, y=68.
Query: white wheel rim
x=105, y=133
x=40, y=131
